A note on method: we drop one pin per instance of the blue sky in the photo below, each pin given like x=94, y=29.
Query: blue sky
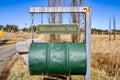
x=102, y=10
x=16, y=12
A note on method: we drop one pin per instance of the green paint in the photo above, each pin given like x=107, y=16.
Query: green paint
x=57, y=58
x=58, y=28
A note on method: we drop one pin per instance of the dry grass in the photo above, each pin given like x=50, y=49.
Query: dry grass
x=63, y=37
x=6, y=65
x=101, y=44
x=106, y=55
x=20, y=72
x=15, y=37
x=105, y=61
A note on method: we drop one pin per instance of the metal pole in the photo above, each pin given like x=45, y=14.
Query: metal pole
x=88, y=44
x=32, y=24
x=41, y=18
x=85, y=27
x=42, y=76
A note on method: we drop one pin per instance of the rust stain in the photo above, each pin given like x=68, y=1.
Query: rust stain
x=87, y=9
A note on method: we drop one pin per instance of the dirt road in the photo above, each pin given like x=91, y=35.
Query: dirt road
x=6, y=54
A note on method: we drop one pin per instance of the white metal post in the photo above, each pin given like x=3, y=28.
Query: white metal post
x=32, y=25
x=88, y=44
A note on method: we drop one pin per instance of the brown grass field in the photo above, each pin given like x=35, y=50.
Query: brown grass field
x=105, y=61
x=16, y=37
x=106, y=56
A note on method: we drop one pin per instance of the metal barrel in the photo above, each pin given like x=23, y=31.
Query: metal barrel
x=57, y=58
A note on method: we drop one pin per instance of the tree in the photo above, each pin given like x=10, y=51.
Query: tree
x=59, y=20
x=25, y=29
x=54, y=19
x=1, y=27
x=51, y=3
x=7, y=28
x=14, y=28
x=34, y=28
x=76, y=19
x=11, y=28
x=114, y=27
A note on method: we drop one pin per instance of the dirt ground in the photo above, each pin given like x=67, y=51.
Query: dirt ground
x=7, y=64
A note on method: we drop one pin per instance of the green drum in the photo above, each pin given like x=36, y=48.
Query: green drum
x=57, y=58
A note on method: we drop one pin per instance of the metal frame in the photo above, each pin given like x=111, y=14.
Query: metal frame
x=87, y=10
x=58, y=9
x=32, y=25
